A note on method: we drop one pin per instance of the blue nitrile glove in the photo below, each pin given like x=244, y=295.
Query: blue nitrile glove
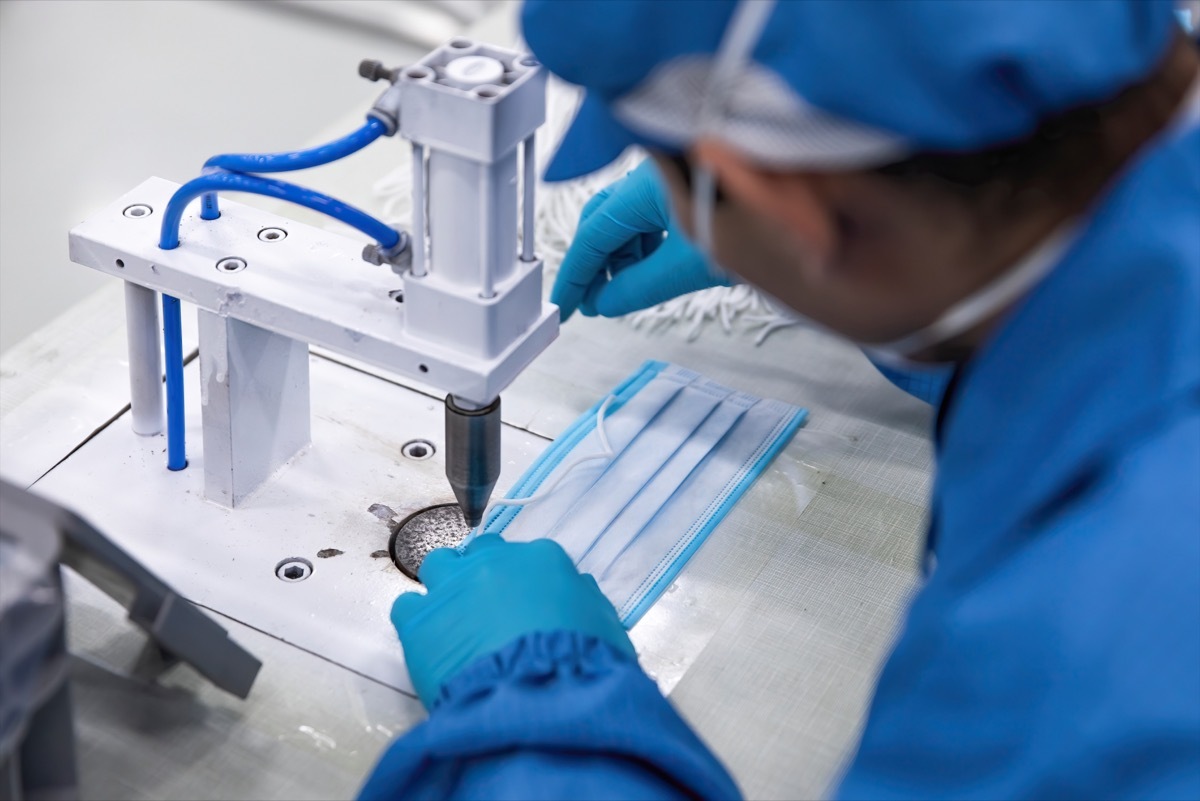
x=628, y=252
x=491, y=594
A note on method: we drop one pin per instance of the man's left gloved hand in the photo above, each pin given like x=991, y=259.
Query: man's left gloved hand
x=628, y=253
x=488, y=596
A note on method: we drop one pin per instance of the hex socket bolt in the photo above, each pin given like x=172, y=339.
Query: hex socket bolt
x=373, y=70
x=472, y=455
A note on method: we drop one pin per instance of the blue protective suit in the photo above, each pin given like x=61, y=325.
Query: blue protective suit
x=1054, y=651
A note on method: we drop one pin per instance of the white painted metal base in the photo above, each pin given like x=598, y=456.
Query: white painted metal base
x=225, y=559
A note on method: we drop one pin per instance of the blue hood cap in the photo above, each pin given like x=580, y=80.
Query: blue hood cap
x=936, y=75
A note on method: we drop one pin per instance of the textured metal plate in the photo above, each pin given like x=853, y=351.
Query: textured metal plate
x=426, y=530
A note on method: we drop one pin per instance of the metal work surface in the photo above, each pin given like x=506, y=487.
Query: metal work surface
x=310, y=729
x=314, y=511
x=769, y=641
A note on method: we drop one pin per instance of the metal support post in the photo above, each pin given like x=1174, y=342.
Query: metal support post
x=420, y=238
x=145, y=359
x=255, y=398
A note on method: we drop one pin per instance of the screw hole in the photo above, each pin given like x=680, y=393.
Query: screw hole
x=418, y=449
x=486, y=91
x=423, y=368
x=231, y=264
x=397, y=295
x=137, y=210
x=294, y=569
x=417, y=73
x=121, y=263
x=529, y=61
x=460, y=44
x=272, y=234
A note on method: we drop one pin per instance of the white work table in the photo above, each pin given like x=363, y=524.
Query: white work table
x=769, y=648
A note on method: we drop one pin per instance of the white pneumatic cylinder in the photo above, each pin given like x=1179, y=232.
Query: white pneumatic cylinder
x=145, y=359
x=472, y=220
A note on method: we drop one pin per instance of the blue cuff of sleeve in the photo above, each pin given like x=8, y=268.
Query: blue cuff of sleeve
x=550, y=715
x=532, y=660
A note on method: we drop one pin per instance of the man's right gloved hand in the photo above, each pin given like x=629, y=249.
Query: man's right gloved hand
x=491, y=594
x=628, y=253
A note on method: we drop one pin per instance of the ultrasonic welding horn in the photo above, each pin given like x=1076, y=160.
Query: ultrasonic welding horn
x=472, y=454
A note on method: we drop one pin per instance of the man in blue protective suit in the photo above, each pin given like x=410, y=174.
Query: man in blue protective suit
x=1010, y=187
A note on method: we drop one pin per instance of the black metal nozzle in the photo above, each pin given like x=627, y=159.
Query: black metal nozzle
x=472, y=455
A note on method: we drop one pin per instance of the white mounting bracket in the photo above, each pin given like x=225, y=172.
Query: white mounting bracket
x=468, y=320
x=308, y=285
x=311, y=285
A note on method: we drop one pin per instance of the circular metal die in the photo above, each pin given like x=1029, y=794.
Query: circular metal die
x=231, y=264
x=272, y=235
x=137, y=211
x=294, y=569
x=418, y=449
x=424, y=531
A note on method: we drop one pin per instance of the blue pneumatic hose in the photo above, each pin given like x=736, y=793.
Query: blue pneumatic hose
x=221, y=181
x=387, y=236
x=173, y=346
x=295, y=160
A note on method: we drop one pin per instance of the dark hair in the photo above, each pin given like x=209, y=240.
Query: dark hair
x=1069, y=135
x=1068, y=157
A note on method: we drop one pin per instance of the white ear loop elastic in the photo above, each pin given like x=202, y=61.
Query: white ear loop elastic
x=742, y=34
x=986, y=301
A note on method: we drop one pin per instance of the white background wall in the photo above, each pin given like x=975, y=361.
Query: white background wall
x=97, y=95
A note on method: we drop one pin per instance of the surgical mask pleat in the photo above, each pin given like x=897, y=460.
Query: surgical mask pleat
x=622, y=426
x=632, y=576
x=633, y=521
x=634, y=468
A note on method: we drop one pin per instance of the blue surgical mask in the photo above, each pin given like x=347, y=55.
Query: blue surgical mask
x=683, y=450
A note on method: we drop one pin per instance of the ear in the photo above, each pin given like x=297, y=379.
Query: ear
x=789, y=199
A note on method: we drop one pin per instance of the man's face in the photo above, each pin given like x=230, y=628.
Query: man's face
x=853, y=252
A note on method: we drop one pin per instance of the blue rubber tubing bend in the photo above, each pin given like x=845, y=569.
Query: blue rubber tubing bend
x=387, y=236
x=173, y=347
x=287, y=162
x=221, y=181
